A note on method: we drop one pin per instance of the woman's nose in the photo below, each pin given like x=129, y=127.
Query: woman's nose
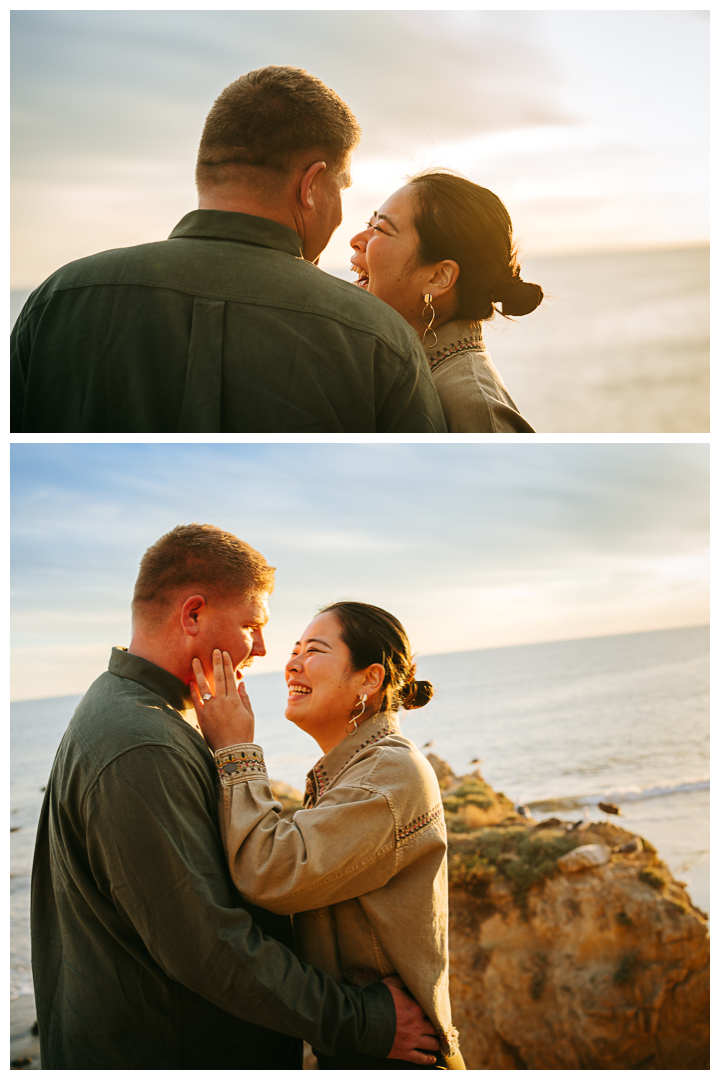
x=359, y=240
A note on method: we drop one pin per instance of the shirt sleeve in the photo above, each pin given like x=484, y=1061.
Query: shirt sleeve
x=156, y=855
x=413, y=403
x=339, y=849
x=18, y=365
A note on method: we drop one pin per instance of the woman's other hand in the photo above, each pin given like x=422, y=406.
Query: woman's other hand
x=227, y=718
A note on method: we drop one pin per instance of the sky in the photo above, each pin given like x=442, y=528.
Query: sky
x=471, y=546
x=592, y=126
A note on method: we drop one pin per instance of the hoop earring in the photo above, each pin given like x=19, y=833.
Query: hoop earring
x=354, y=719
x=428, y=325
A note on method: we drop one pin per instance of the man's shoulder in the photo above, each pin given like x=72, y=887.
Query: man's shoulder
x=101, y=267
x=117, y=715
x=355, y=308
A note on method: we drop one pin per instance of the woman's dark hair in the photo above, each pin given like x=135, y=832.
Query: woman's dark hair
x=456, y=219
x=374, y=636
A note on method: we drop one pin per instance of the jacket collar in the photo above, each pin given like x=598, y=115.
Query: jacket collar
x=327, y=768
x=153, y=678
x=245, y=228
x=459, y=331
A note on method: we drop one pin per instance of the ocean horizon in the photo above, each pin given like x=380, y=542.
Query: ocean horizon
x=602, y=353
x=558, y=726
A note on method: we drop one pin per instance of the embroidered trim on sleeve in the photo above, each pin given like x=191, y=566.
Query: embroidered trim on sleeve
x=464, y=345
x=235, y=765
x=419, y=823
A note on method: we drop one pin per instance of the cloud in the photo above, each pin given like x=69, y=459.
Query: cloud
x=471, y=545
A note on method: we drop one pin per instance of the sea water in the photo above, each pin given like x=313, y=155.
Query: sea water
x=558, y=727
x=620, y=343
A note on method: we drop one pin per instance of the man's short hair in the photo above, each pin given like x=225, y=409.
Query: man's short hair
x=268, y=118
x=200, y=557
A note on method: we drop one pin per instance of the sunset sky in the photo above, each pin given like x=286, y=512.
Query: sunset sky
x=591, y=125
x=471, y=546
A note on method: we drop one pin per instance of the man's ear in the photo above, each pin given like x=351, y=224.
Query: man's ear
x=190, y=614
x=444, y=278
x=307, y=184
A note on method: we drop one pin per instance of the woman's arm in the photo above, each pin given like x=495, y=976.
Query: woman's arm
x=341, y=848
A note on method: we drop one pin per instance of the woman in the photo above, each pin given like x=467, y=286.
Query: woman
x=362, y=867
x=440, y=251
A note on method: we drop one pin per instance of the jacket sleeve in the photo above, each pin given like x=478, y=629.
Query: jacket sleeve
x=156, y=856
x=473, y=400
x=339, y=849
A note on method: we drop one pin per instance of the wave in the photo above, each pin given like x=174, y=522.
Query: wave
x=625, y=795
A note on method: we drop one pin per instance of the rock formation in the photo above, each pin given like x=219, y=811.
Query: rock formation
x=602, y=966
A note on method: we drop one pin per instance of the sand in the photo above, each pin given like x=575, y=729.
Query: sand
x=24, y=1046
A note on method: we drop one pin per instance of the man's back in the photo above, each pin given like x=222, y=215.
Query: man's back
x=132, y=785
x=223, y=327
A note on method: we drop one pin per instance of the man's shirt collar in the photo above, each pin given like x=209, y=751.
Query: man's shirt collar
x=246, y=228
x=153, y=678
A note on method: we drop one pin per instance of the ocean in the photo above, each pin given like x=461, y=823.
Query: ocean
x=620, y=343
x=558, y=726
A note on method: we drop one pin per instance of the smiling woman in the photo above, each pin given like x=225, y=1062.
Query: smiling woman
x=362, y=865
x=440, y=251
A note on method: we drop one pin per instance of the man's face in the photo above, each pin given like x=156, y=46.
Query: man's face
x=236, y=627
x=329, y=186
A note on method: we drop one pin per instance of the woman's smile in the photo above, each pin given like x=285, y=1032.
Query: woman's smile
x=297, y=690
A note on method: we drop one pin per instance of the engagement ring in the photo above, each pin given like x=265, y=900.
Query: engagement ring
x=207, y=697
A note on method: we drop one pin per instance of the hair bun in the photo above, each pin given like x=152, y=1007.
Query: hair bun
x=415, y=694
x=517, y=297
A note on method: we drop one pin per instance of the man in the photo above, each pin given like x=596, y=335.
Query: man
x=228, y=326
x=144, y=955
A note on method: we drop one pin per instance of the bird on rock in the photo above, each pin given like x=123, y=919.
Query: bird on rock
x=523, y=811
x=630, y=848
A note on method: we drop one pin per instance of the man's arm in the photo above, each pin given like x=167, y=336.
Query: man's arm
x=156, y=855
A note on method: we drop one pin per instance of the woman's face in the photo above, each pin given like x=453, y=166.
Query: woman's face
x=323, y=689
x=385, y=257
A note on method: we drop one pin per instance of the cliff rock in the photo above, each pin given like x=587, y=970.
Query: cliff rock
x=601, y=967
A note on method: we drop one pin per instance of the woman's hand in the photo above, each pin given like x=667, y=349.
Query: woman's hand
x=227, y=718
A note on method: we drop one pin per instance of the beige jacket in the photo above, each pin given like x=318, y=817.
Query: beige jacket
x=361, y=867
x=471, y=391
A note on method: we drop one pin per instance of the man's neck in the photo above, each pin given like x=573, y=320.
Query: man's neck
x=157, y=653
x=248, y=203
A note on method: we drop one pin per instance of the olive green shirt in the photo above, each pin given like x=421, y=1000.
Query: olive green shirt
x=221, y=328
x=144, y=954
